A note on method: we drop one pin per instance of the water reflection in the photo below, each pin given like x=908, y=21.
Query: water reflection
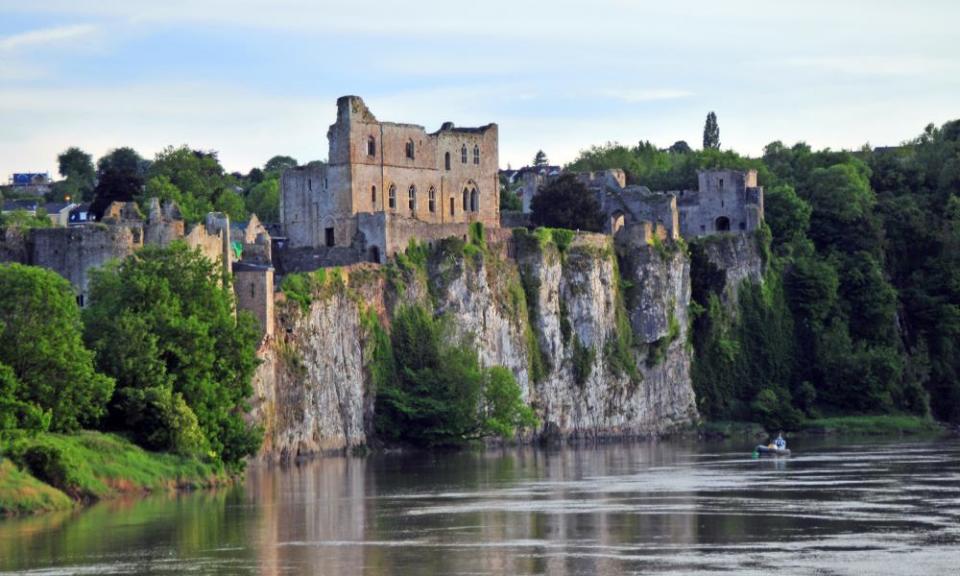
x=619, y=509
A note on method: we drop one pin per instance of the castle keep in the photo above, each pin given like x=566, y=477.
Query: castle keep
x=386, y=183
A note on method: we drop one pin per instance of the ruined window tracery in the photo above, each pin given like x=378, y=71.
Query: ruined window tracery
x=446, y=161
x=432, y=199
x=412, y=197
x=410, y=150
x=371, y=146
x=476, y=154
x=463, y=154
x=392, y=197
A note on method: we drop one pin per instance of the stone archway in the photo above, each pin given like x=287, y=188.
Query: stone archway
x=722, y=224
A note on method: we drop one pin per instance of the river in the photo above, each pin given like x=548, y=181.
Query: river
x=666, y=507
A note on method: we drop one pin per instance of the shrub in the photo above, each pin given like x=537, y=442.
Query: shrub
x=161, y=420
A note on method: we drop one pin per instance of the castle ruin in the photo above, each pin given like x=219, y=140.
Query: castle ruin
x=386, y=183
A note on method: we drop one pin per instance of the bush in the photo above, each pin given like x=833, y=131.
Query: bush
x=52, y=465
x=161, y=420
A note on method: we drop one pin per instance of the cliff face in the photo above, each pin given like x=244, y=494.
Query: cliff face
x=597, y=342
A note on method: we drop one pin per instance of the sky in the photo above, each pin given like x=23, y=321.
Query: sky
x=255, y=78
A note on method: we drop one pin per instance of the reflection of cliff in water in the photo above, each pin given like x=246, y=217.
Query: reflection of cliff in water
x=670, y=507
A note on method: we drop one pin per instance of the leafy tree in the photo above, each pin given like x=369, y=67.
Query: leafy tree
x=566, y=203
x=680, y=147
x=196, y=181
x=711, y=133
x=436, y=394
x=41, y=342
x=264, y=200
x=14, y=412
x=278, y=164
x=787, y=214
x=162, y=324
x=120, y=178
x=76, y=166
x=23, y=219
x=509, y=199
x=540, y=159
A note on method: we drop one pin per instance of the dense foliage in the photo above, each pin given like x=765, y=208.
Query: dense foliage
x=565, y=202
x=47, y=376
x=162, y=324
x=433, y=391
x=860, y=309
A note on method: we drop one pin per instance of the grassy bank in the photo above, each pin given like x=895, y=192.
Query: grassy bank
x=56, y=471
x=887, y=425
x=873, y=426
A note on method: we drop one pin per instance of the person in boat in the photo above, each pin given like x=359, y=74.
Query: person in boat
x=780, y=443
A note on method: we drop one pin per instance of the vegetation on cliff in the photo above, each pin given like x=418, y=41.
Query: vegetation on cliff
x=860, y=309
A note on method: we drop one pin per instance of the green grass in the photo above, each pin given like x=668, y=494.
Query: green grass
x=21, y=493
x=873, y=425
x=91, y=466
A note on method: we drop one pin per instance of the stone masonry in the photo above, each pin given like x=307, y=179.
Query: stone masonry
x=383, y=177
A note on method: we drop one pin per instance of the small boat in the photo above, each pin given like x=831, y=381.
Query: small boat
x=762, y=450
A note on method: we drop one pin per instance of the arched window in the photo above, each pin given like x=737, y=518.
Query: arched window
x=476, y=154
x=371, y=146
x=410, y=151
x=392, y=197
x=463, y=154
x=466, y=199
x=412, y=198
x=474, y=200
x=446, y=161
x=373, y=197
x=432, y=199
x=722, y=224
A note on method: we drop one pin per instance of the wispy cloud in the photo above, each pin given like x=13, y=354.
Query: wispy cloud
x=45, y=36
x=645, y=94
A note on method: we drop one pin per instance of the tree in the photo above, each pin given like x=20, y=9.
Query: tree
x=264, y=200
x=196, y=181
x=120, y=178
x=433, y=391
x=540, y=159
x=566, y=203
x=787, y=214
x=680, y=147
x=41, y=342
x=76, y=166
x=15, y=414
x=278, y=164
x=711, y=133
x=162, y=324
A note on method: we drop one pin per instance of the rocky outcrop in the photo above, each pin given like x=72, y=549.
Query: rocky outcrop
x=739, y=257
x=595, y=334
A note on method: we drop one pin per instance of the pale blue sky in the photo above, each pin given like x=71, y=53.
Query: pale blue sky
x=254, y=78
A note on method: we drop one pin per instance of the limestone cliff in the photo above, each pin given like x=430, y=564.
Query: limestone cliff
x=596, y=336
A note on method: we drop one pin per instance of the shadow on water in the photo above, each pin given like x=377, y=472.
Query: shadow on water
x=659, y=507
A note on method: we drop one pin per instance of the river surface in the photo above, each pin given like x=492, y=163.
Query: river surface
x=643, y=508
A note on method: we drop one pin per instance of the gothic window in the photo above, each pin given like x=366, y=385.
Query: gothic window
x=373, y=197
x=476, y=154
x=466, y=199
x=371, y=146
x=463, y=154
x=410, y=151
x=452, y=204
x=412, y=198
x=392, y=197
x=446, y=161
x=432, y=199
x=474, y=200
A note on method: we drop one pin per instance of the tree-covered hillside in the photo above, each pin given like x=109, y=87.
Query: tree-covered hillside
x=860, y=312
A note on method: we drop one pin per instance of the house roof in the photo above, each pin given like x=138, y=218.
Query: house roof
x=14, y=205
